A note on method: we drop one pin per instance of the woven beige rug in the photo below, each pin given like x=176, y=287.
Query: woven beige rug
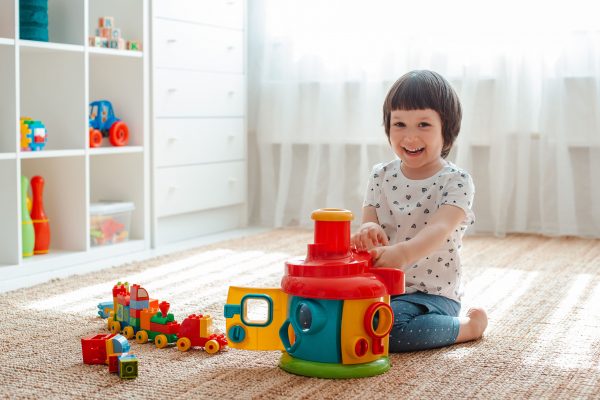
x=543, y=341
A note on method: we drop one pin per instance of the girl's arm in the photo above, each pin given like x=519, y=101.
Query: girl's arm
x=446, y=219
x=370, y=233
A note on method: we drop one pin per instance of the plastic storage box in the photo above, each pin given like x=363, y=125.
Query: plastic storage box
x=110, y=222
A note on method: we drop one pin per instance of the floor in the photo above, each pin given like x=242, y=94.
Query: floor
x=34, y=279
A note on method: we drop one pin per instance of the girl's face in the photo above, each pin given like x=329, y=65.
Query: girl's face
x=416, y=137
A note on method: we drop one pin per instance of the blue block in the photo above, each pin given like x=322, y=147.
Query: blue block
x=139, y=304
x=120, y=344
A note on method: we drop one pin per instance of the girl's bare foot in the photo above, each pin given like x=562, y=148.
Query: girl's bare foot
x=473, y=325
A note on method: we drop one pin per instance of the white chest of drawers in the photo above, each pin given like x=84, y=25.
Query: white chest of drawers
x=198, y=69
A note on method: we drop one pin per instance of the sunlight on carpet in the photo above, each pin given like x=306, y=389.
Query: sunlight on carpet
x=199, y=276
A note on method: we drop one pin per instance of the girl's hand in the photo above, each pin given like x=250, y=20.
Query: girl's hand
x=387, y=256
x=370, y=235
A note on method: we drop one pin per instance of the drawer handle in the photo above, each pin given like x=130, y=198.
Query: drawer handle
x=232, y=180
x=231, y=93
x=171, y=40
x=229, y=48
x=172, y=90
x=231, y=137
x=172, y=139
x=173, y=188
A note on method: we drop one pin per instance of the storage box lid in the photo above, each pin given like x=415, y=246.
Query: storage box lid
x=111, y=207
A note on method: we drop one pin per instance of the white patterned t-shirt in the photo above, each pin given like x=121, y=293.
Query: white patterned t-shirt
x=403, y=208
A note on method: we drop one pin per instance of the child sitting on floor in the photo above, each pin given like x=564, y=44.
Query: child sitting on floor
x=416, y=211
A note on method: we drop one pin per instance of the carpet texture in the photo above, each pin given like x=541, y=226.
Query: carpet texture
x=543, y=341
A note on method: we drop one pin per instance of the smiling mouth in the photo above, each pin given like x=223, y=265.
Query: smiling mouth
x=416, y=151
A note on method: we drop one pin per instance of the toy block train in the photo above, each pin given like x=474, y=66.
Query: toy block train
x=136, y=315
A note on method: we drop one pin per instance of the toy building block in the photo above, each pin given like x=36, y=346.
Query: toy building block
x=128, y=366
x=133, y=45
x=115, y=33
x=93, y=348
x=106, y=22
x=98, y=41
x=104, y=32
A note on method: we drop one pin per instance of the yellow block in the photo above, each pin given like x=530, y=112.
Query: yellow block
x=206, y=325
x=109, y=349
x=353, y=331
x=258, y=337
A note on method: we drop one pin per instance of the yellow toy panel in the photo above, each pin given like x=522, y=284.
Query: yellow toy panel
x=254, y=317
x=359, y=345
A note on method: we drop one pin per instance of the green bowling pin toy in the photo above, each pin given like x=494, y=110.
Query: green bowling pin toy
x=28, y=234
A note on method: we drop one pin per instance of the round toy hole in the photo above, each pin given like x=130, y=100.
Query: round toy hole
x=304, y=316
x=379, y=319
x=236, y=334
x=361, y=347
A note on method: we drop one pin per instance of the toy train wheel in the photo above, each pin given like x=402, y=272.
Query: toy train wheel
x=184, y=344
x=161, y=341
x=109, y=322
x=212, y=346
x=128, y=332
x=95, y=138
x=141, y=337
x=115, y=327
x=118, y=134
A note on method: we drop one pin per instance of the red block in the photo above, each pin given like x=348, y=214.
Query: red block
x=170, y=329
x=93, y=348
x=135, y=313
x=113, y=363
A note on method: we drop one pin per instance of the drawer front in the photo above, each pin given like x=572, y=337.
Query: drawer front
x=225, y=13
x=180, y=190
x=198, y=47
x=194, y=140
x=198, y=94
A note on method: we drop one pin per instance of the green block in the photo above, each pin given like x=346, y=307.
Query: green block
x=135, y=322
x=128, y=367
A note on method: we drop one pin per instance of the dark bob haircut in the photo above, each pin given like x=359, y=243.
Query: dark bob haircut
x=420, y=90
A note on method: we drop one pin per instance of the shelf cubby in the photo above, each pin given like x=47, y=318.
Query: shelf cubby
x=118, y=80
x=52, y=87
x=8, y=112
x=7, y=19
x=9, y=228
x=126, y=14
x=66, y=22
x=65, y=203
x=129, y=186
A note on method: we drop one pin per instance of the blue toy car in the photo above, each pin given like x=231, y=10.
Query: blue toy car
x=103, y=123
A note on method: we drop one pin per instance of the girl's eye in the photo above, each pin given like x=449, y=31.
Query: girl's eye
x=400, y=124
x=424, y=125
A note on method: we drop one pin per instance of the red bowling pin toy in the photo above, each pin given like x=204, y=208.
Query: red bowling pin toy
x=39, y=218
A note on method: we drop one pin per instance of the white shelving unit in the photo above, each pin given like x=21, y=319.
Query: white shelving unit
x=54, y=82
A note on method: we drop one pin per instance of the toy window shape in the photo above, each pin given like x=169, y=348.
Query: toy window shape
x=304, y=316
x=93, y=112
x=257, y=310
x=378, y=320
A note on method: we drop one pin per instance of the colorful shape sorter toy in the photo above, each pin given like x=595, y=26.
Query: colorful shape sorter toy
x=331, y=316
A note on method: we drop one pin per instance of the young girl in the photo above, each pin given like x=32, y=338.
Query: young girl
x=416, y=211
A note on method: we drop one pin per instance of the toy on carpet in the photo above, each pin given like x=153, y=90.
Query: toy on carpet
x=332, y=314
x=33, y=135
x=103, y=123
x=136, y=315
x=112, y=350
x=108, y=35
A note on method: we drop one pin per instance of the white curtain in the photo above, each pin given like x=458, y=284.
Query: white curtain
x=527, y=73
